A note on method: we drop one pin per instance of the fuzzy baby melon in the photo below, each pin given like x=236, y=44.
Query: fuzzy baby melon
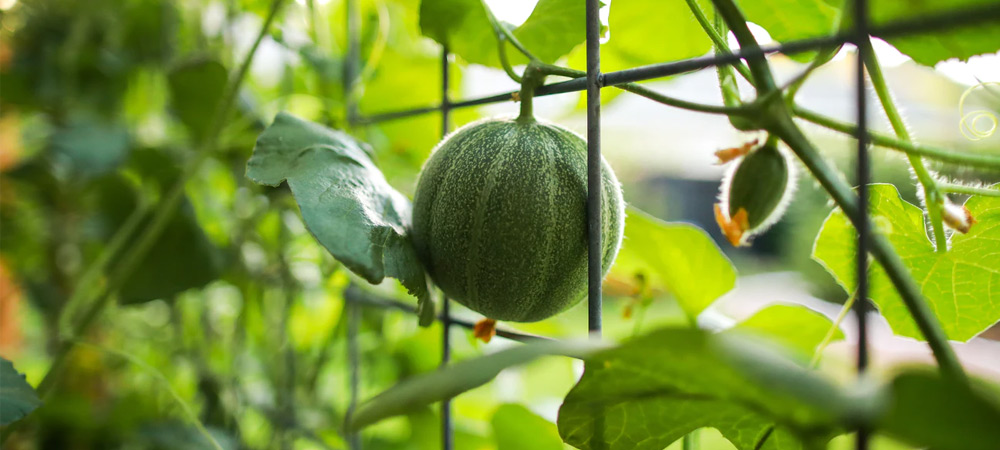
x=499, y=218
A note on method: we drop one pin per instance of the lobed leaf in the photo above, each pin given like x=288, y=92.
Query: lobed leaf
x=345, y=200
x=961, y=286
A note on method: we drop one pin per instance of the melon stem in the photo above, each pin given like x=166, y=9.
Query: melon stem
x=532, y=79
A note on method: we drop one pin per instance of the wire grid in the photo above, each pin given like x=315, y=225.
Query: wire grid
x=593, y=83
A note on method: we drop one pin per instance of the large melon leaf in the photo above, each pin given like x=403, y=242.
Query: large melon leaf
x=676, y=34
x=961, y=286
x=345, y=200
x=932, y=48
x=550, y=32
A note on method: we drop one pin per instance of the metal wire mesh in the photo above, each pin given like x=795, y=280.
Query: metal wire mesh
x=593, y=83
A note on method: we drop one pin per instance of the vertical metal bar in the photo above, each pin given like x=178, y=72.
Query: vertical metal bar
x=594, y=188
x=352, y=15
x=447, y=433
x=594, y=185
x=353, y=58
x=863, y=176
x=353, y=359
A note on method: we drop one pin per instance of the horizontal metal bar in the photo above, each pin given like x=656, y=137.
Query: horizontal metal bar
x=952, y=19
x=369, y=299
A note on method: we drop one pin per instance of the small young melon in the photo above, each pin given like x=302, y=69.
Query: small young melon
x=499, y=218
x=755, y=193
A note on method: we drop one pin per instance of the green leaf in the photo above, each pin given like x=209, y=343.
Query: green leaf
x=182, y=258
x=678, y=258
x=91, y=144
x=552, y=30
x=632, y=23
x=452, y=380
x=517, y=428
x=932, y=48
x=17, y=397
x=961, y=286
x=789, y=20
x=656, y=388
x=195, y=89
x=345, y=201
x=926, y=410
x=797, y=327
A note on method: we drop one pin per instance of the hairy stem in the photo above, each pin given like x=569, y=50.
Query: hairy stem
x=720, y=41
x=977, y=160
x=969, y=190
x=932, y=197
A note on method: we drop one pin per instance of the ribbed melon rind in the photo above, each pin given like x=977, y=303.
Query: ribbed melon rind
x=499, y=218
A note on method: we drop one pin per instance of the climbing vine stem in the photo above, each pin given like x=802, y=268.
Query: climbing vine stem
x=933, y=198
x=977, y=160
x=968, y=190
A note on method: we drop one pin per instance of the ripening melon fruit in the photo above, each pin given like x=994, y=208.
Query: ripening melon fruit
x=499, y=218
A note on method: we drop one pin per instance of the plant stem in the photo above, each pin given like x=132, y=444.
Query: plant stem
x=96, y=269
x=533, y=77
x=932, y=197
x=720, y=41
x=970, y=190
x=980, y=161
x=185, y=408
x=818, y=353
x=691, y=441
x=638, y=89
x=164, y=212
x=883, y=251
x=504, y=61
x=778, y=121
x=501, y=30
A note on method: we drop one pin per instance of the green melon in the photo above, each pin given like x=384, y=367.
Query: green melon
x=761, y=184
x=499, y=218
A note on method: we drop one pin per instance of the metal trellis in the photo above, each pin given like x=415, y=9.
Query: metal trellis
x=863, y=177
x=593, y=83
